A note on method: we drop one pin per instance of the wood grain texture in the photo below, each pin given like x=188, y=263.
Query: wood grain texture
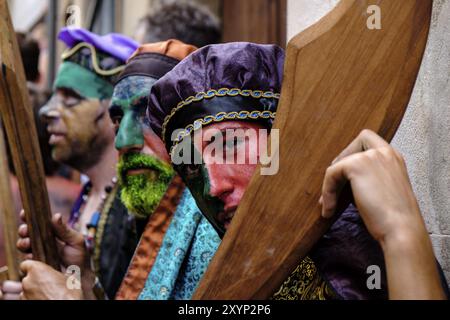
x=340, y=78
x=3, y=274
x=21, y=133
x=8, y=214
x=259, y=21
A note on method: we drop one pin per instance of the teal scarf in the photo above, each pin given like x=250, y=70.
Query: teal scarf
x=186, y=251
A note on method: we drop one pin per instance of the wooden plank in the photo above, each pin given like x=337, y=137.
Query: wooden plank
x=8, y=214
x=21, y=132
x=259, y=21
x=340, y=78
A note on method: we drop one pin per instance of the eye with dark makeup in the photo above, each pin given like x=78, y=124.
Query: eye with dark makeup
x=189, y=170
x=139, y=106
x=116, y=115
x=230, y=143
x=69, y=98
x=234, y=143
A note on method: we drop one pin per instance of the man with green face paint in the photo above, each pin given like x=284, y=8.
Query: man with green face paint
x=144, y=169
x=178, y=242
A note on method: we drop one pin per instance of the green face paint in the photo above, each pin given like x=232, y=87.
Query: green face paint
x=216, y=183
x=79, y=144
x=127, y=110
x=144, y=180
x=86, y=83
x=144, y=177
x=196, y=178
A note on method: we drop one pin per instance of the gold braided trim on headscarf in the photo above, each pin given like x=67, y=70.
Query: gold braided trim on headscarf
x=68, y=53
x=233, y=92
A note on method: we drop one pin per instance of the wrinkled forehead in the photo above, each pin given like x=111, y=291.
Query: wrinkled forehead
x=131, y=90
x=65, y=98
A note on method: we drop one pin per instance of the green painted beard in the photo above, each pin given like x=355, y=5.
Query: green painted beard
x=142, y=193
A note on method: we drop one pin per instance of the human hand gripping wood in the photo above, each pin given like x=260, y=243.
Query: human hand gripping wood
x=41, y=282
x=384, y=197
x=70, y=243
x=72, y=251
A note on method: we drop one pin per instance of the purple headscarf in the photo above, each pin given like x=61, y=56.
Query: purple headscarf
x=241, y=79
x=91, y=63
x=117, y=45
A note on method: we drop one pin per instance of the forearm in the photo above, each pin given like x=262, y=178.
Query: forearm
x=412, y=272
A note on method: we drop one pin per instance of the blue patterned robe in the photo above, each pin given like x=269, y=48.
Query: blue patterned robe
x=186, y=251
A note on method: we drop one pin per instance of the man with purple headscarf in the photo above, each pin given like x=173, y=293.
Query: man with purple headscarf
x=215, y=106
x=82, y=136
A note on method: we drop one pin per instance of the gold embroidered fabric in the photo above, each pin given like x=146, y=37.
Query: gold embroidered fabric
x=305, y=283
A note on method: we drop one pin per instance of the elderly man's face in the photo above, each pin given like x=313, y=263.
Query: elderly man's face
x=219, y=187
x=79, y=128
x=144, y=165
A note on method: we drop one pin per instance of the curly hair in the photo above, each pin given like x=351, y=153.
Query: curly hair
x=186, y=21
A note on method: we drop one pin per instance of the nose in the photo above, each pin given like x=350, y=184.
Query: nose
x=48, y=113
x=220, y=181
x=130, y=137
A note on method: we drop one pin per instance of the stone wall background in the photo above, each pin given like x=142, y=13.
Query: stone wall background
x=424, y=135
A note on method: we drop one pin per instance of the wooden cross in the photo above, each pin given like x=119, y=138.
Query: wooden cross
x=340, y=77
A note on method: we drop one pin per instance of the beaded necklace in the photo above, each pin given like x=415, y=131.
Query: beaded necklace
x=92, y=226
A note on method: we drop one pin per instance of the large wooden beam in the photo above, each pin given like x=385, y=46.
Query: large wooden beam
x=340, y=77
x=21, y=132
x=9, y=216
